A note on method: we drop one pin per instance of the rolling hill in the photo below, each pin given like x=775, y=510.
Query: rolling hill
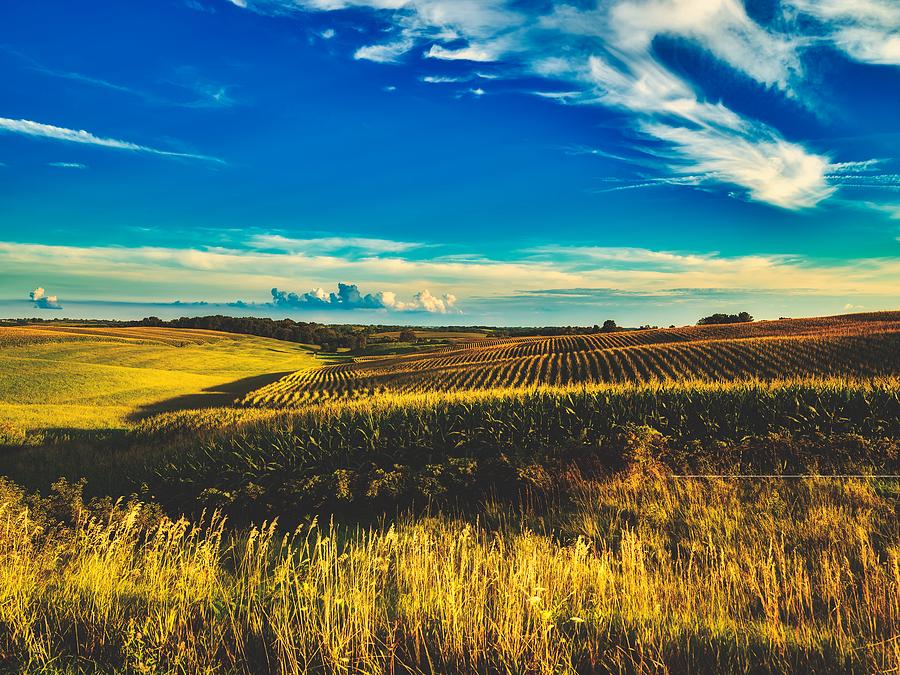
x=71, y=377
x=862, y=345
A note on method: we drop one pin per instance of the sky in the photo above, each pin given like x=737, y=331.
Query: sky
x=436, y=162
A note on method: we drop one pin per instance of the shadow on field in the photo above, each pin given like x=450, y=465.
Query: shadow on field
x=219, y=396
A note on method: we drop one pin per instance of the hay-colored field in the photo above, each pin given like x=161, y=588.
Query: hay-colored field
x=862, y=345
x=83, y=378
x=645, y=573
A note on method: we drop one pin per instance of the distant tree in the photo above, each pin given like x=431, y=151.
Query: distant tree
x=360, y=343
x=609, y=326
x=407, y=335
x=285, y=329
x=743, y=317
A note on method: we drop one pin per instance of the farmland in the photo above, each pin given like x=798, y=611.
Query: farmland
x=864, y=345
x=710, y=498
x=74, y=377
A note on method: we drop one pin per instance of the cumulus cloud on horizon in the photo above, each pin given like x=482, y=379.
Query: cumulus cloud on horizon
x=43, y=301
x=349, y=297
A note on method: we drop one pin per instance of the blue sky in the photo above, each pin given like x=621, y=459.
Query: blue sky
x=459, y=161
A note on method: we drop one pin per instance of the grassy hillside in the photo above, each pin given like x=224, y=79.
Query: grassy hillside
x=704, y=499
x=858, y=345
x=641, y=573
x=66, y=377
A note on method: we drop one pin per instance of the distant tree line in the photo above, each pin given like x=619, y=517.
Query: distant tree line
x=608, y=326
x=329, y=337
x=743, y=317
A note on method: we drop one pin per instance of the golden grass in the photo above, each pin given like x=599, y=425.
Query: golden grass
x=85, y=378
x=646, y=573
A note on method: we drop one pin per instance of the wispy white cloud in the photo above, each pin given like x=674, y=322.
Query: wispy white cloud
x=443, y=79
x=650, y=183
x=363, y=245
x=203, y=94
x=891, y=210
x=853, y=168
x=604, y=54
x=389, y=52
x=40, y=130
x=771, y=169
x=869, y=175
x=866, y=30
x=559, y=96
x=702, y=138
x=470, y=53
x=198, y=6
x=67, y=165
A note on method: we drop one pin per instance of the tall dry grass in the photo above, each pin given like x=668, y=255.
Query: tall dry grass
x=647, y=573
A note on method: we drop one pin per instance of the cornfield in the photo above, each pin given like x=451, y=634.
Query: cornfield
x=772, y=350
x=525, y=417
x=377, y=455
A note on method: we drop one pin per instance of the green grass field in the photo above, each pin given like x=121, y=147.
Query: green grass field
x=79, y=378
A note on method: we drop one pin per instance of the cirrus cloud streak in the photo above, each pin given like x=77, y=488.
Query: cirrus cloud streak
x=49, y=131
x=606, y=54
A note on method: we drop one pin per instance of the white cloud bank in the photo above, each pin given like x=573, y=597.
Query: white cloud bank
x=348, y=297
x=221, y=274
